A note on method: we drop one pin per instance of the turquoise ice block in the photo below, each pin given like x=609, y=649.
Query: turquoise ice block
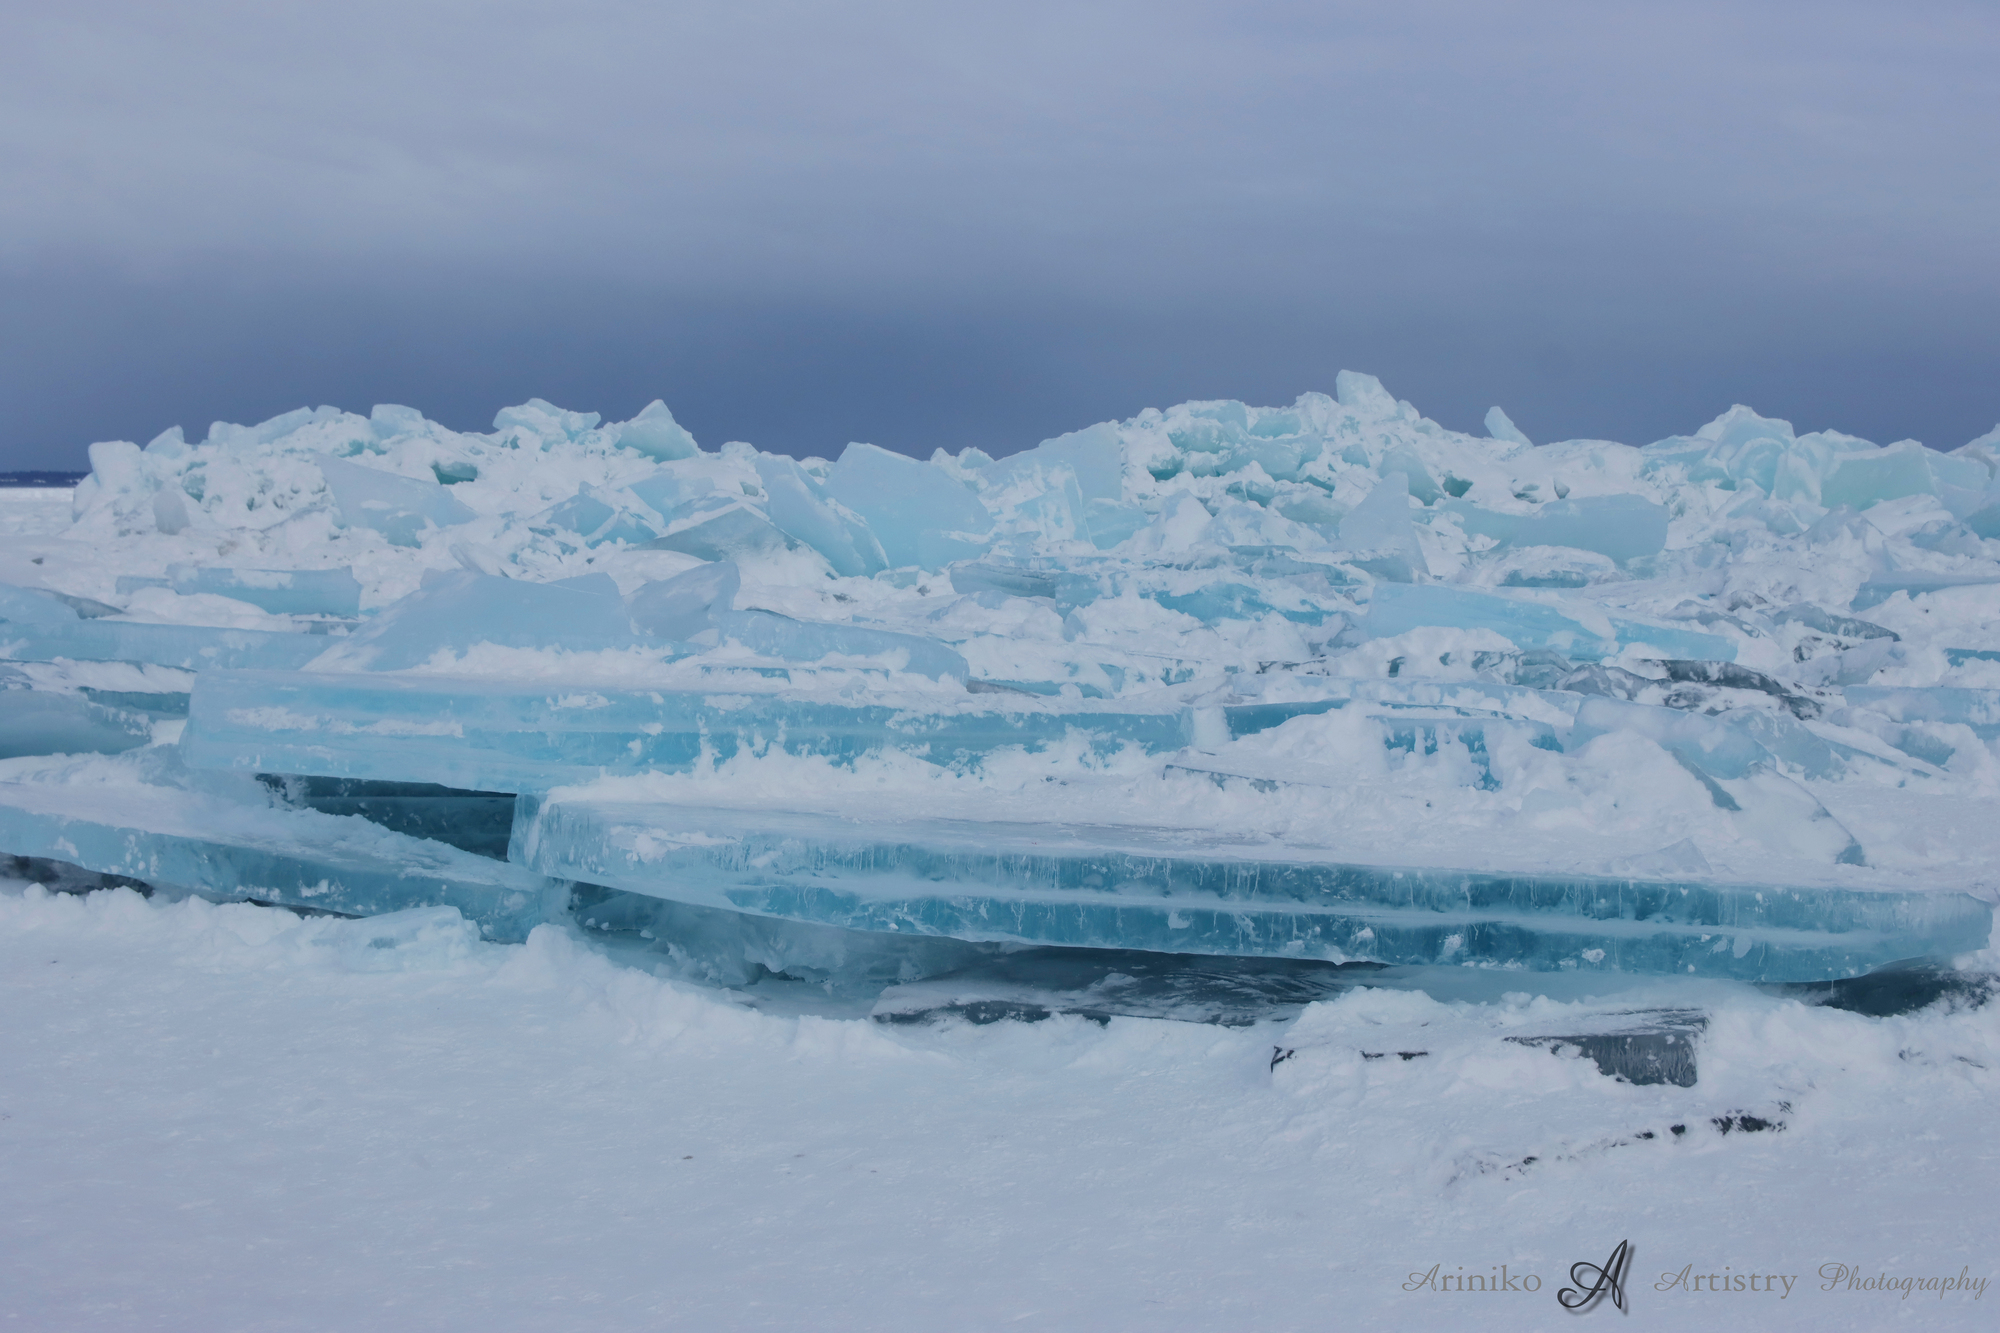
x=190, y=647
x=511, y=736
x=221, y=849
x=45, y=722
x=1196, y=893
x=293, y=592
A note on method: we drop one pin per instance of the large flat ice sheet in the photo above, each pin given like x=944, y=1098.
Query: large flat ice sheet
x=1156, y=889
x=184, y=840
x=525, y=736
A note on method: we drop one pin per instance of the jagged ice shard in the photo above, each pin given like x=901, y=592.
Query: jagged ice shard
x=1318, y=682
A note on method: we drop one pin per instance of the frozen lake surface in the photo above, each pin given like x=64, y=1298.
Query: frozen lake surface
x=231, y=1118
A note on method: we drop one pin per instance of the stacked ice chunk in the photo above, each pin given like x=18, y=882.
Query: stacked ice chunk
x=1320, y=682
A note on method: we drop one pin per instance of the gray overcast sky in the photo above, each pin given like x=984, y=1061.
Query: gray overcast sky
x=932, y=225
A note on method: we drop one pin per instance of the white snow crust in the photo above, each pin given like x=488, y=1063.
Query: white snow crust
x=229, y=1118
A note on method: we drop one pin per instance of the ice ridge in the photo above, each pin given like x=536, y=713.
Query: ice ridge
x=1320, y=681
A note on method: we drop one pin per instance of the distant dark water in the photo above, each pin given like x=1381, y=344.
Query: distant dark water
x=18, y=480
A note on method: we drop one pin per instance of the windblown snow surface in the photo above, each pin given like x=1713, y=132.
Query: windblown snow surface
x=226, y=1117
x=230, y=1116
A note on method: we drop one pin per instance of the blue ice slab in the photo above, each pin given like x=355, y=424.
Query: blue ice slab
x=1977, y=709
x=514, y=736
x=719, y=527
x=1066, y=586
x=1112, y=521
x=1094, y=454
x=44, y=722
x=905, y=502
x=655, y=433
x=1380, y=525
x=162, y=703
x=701, y=599
x=282, y=592
x=33, y=606
x=1728, y=744
x=773, y=635
x=1409, y=733
x=539, y=422
x=458, y=609
x=1301, y=592
x=1418, y=724
x=1709, y=744
x=1196, y=893
x=402, y=509
x=1501, y=427
x=799, y=509
x=1906, y=468
x=685, y=605
x=1623, y=527
x=179, y=839
x=593, y=521
x=1414, y=698
x=668, y=489
x=1101, y=680
x=739, y=949
x=1795, y=744
x=159, y=693
x=1225, y=600
x=1877, y=591
x=190, y=647
x=1397, y=608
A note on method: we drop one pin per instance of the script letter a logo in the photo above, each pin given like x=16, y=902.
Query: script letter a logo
x=1593, y=1282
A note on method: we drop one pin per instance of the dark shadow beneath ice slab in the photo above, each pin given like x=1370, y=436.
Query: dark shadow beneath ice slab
x=1899, y=988
x=1643, y=1046
x=1101, y=984
x=775, y=964
x=479, y=822
x=795, y=965
x=1640, y=1046
x=1640, y=1027
x=63, y=877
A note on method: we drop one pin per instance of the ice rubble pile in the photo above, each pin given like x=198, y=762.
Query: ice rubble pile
x=1321, y=681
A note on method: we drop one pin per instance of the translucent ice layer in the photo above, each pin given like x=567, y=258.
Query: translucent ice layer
x=1146, y=889
x=402, y=509
x=185, y=840
x=44, y=722
x=456, y=610
x=34, y=606
x=190, y=647
x=1396, y=609
x=512, y=736
x=295, y=592
x=1976, y=710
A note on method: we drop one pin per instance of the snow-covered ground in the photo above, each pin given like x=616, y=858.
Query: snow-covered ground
x=34, y=511
x=229, y=1117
